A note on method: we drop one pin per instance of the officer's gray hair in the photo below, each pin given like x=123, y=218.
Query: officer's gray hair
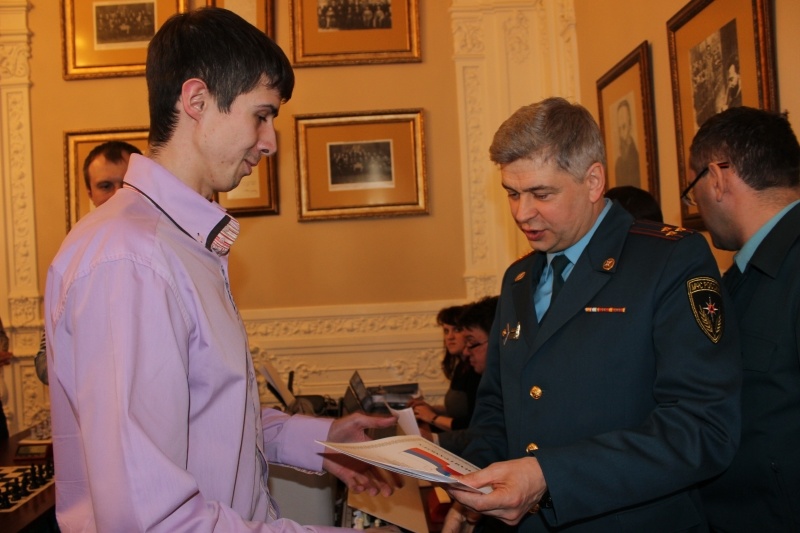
x=551, y=129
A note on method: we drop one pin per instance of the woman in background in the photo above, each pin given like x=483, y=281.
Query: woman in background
x=475, y=323
x=459, y=401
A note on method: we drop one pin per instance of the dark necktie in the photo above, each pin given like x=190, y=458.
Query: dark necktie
x=559, y=263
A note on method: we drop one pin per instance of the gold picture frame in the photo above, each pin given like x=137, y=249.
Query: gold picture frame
x=708, y=41
x=626, y=112
x=77, y=145
x=369, y=164
x=109, y=39
x=264, y=13
x=343, y=35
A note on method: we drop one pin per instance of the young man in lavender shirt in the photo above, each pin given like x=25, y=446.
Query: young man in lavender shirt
x=156, y=418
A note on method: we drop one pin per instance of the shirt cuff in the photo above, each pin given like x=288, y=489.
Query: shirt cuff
x=299, y=448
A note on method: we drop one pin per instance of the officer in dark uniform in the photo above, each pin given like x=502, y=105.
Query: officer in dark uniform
x=612, y=382
x=747, y=189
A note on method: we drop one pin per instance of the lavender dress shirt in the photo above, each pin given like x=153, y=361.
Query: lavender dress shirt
x=156, y=420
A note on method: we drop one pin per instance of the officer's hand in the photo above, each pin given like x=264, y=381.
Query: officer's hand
x=517, y=486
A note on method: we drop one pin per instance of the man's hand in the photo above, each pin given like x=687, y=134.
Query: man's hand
x=357, y=475
x=517, y=486
x=5, y=358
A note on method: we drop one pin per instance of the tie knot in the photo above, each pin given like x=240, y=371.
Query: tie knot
x=559, y=263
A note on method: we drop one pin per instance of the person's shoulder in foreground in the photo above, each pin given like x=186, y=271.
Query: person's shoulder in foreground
x=748, y=192
x=606, y=410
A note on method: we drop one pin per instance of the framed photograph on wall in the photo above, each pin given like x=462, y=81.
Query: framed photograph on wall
x=109, y=39
x=721, y=55
x=627, y=116
x=339, y=33
x=263, y=16
x=77, y=145
x=360, y=165
x=256, y=194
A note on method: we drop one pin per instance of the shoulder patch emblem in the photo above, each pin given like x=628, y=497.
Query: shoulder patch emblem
x=705, y=299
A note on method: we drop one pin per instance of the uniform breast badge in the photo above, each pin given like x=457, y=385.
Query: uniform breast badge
x=509, y=333
x=705, y=299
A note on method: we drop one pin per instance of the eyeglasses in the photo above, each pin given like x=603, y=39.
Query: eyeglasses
x=687, y=196
x=474, y=345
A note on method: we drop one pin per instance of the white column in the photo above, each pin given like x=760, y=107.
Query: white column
x=19, y=286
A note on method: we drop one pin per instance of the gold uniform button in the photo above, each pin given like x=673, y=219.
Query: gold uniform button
x=530, y=448
x=536, y=392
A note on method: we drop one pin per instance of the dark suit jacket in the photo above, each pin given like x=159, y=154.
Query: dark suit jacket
x=629, y=409
x=761, y=489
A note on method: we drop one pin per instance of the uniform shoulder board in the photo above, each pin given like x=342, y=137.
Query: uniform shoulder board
x=521, y=274
x=523, y=256
x=657, y=229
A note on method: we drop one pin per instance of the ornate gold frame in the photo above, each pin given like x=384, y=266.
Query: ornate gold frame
x=387, y=174
x=630, y=80
x=315, y=46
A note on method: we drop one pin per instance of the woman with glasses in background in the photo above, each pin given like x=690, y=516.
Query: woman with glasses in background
x=459, y=401
x=475, y=322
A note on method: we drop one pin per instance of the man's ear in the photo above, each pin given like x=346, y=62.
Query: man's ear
x=719, y=181
x=596, y=180
x=194, y=97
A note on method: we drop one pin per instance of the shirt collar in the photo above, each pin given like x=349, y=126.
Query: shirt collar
x=204, y=221
x=745, y=254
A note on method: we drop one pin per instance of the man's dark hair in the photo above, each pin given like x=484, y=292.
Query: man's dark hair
x=214, y=45
x=479, y=314
x=759, y=144
x=113, y=151
x=638, y=202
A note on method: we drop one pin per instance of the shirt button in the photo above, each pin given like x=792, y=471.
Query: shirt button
x=530, y=448
x=536, y=392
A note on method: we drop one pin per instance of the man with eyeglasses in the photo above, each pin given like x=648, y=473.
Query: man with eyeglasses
x=747, y=190
x=612, y=378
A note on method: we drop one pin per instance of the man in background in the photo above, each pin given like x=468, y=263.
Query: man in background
x=638, y=202
x=156, y=418
x=747, y=189
x=103, y=170
x=612, y=379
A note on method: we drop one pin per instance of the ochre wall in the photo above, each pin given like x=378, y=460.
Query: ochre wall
x=278, y=261
x=608, y=30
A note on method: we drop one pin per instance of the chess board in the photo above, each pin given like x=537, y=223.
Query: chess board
x=18, y=484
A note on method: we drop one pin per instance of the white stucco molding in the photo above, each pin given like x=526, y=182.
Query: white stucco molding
x=19, y=285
